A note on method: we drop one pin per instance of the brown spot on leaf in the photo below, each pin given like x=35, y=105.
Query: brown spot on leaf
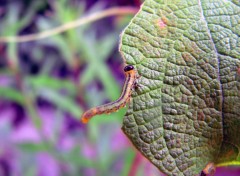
x=189, y=81
x=238, y=71
x=237, y=75
x=161, y=26
x=201, y=116
x=162, y=23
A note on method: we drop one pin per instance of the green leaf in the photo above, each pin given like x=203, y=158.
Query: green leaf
x=97, y=67
x=12, y=94
x=63, y=102
x=128, y=160
x=185, y=112
x=44, y=81
x=34, y=147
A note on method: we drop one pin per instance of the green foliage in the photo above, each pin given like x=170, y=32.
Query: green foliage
x=12, y=94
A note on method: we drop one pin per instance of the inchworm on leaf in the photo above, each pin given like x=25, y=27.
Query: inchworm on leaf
x=131, y=76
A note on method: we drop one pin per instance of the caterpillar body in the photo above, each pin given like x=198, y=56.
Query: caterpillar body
x=131, y=76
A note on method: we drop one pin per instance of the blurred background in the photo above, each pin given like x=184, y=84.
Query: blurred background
x=45, y=85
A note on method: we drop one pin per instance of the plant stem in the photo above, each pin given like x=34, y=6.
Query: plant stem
x=73, y=24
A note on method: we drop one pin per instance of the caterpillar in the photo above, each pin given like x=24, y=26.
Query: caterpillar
x=131, y=76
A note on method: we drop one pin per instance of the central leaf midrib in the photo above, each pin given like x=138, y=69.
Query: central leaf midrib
x=218, y=64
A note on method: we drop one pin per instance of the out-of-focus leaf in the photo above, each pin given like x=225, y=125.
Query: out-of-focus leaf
x=109, y=83
x=12, y=24
x=97, y=69
x=75, y=157
x=65, y=103
x=12, y=54
x=35, y=5
x=34, y=147
x=128, y=160
x=44, y=81
x=105, y=46
x=57, y=41
x=30, y=171
x=6, y=71
x=12, y=94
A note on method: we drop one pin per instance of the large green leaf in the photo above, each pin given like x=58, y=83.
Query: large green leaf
x=185, y=112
